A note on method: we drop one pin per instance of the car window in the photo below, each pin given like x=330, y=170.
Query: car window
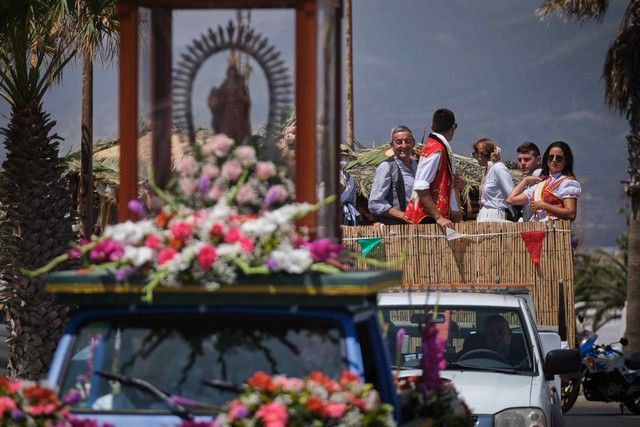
x=474, y=337
x=177, y=354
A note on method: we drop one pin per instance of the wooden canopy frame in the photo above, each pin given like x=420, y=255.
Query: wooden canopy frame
x=306, y=57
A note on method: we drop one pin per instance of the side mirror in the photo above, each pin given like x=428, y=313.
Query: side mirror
x=559, y=362
x=624, y=341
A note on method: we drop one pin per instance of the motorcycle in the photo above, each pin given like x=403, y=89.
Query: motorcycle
x=606, y=376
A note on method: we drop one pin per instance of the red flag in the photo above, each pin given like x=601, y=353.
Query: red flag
x=533, y=243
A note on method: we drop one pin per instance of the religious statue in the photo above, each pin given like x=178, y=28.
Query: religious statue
x=230, y=107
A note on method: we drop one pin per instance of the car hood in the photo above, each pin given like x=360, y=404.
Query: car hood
x=491, y=392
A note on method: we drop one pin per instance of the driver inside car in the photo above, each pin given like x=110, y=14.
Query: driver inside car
x=498, y=338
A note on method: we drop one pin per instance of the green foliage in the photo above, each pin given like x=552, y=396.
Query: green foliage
x=601, y=282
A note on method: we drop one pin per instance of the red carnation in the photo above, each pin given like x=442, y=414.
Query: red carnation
x=206, y=256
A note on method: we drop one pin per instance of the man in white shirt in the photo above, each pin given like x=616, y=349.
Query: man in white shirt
x=433, y=199
x=529, y=164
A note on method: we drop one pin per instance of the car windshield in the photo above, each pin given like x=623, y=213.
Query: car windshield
x=476, y=338
x=177, y=354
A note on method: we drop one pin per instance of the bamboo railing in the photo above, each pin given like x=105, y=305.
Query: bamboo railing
x=491, y=252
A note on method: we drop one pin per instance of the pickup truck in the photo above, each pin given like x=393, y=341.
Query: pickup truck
x=503, y=364
x=203, y=345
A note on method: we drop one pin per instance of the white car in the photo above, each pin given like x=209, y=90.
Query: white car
x=497, y=357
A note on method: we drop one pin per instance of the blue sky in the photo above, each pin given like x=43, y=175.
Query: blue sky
x=505, y=74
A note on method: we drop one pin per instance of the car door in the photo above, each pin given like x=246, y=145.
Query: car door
x=549, y=396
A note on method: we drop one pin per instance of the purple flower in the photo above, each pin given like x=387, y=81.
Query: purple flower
x=203, y=183
x=137, y=208
x=16, y=415
x=123, y=273
x=74, y=253
x=275, y=195
x=73, y=397
x=271, y=263
x=433, y=360
x=399, y=338
x=323, y=249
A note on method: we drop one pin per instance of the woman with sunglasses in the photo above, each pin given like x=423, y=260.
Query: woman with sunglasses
x=556, y=191
x=496, y=183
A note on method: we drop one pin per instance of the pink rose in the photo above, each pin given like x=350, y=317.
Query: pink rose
x=245, y=195
x=237, y=410
x=246, y=244
x=334, y=410
x=187, y=165
x=6, y=404
x=246, y=155
x=231, y=170
x=153, y=242
x=210, y=170
x=188, y=186
x=182, y=231
x=216, y=192
x=265, y=170
x=218, y=145
x=216, y=229
x=166, y=255
x=206, y=256
x=273, y=415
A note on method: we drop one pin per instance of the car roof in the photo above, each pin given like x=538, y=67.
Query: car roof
x=448, y=298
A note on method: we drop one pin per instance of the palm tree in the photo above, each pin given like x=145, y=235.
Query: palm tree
x=37, y=204
x=622, y=80
x=93, y=28
x=601, y=282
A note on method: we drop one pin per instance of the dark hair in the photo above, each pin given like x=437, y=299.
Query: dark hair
x=443, y=120
x=525, y=147
x=568, y=159
x=495, y=318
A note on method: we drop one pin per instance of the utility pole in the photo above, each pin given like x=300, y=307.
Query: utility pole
x=349, y=70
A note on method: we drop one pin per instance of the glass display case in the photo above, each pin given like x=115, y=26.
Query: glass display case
x=264, y=72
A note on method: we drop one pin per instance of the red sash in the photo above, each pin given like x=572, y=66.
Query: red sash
x=440, y=188
x=549, y=197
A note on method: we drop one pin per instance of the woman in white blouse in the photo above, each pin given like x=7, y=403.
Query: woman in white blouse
x=496, y=184
x=556, y=191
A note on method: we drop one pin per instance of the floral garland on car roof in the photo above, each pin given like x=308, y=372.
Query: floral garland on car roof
x=224, y=213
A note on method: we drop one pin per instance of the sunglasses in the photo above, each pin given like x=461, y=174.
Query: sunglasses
x=558, y=158
x=455, y=126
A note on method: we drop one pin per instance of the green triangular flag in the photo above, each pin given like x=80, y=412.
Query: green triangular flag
x=368, y=244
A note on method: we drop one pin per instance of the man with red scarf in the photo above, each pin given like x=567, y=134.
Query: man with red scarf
x=433, y=199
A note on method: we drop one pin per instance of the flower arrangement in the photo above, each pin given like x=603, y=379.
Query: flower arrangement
x=429, y=396
x=316, y=400
x=26, y=403
x=224, y=213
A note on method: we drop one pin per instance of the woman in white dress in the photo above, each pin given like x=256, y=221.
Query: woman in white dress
x=496, y=183
x=556, y=191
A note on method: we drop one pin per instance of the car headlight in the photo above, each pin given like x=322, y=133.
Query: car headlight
x=521, y=417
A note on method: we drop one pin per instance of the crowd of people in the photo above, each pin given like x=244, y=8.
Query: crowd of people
x=425, y=190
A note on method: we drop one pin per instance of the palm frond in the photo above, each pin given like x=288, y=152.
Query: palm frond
x=578, y=10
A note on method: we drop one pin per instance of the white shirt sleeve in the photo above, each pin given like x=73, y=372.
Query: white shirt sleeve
x=569, y=189
x=504, y=177
x=427, y=169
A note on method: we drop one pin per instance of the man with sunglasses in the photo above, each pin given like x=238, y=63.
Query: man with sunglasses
x=433, y=199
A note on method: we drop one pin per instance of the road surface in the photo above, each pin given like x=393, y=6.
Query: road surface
x=592, y=414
